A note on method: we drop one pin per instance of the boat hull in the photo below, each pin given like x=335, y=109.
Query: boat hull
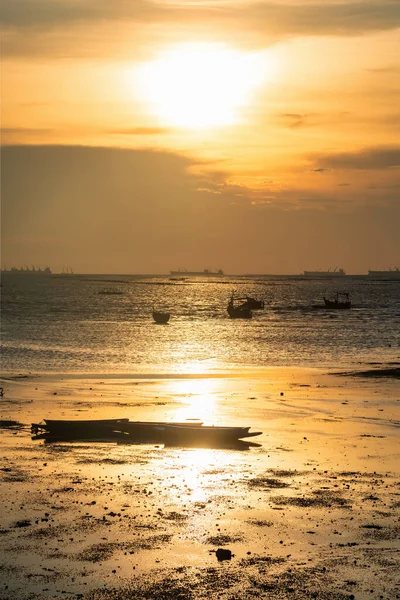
x=340, y=302
x=161, y=318
x=253, y=303
x=324, y=274
x=239, y=312
x=142, y=432
x=337, y=305
x=199, y=437
x=390, y=274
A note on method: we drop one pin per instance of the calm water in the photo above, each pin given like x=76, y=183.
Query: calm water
x=64, y=325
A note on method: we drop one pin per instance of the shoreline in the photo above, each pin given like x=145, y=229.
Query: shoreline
x=389, y=370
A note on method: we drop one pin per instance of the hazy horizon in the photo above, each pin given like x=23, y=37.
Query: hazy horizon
x=68, y=270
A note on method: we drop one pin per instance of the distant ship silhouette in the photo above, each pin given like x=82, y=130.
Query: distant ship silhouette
x=335, y=273
x=387, y=274
x=66, y=272
x=27, y=271
x=206, y=273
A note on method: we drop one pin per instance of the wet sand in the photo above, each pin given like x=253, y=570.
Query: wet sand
x=311, y=513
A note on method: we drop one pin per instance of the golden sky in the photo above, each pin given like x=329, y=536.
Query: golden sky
x=250, y=136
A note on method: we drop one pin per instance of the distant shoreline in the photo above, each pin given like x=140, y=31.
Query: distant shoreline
x=392, y=373
x=385, y=276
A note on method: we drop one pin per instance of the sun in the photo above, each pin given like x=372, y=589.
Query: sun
x=199, y=85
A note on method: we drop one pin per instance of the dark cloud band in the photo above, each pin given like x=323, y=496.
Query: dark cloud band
x=368, y=159
x=271, y=18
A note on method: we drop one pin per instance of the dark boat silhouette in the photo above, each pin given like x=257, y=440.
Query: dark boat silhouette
x=95, y=428
x=341, y=301
x=387, y=274
x=253, y=303
x=161, y=317
x=238, y=311
x=324, y=274
x=185, y=434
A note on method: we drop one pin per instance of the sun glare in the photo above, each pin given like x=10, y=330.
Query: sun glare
x=200, y=86
x=199, y=398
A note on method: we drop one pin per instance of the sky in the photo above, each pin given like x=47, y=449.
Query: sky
x=253, y=137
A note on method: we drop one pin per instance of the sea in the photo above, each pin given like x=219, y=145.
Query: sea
x=102, y=324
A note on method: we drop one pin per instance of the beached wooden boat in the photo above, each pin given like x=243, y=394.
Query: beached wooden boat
x=122, y=430
x=75, y=424
x=98, y=425
x=126, y=439
x=175, y=435
x=183, y=433
x=82, y=422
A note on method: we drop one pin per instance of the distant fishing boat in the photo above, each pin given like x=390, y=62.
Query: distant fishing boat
x=238, y=311
x=161, y=317
x=341, y=301
x=253, y=303
x=324, y=274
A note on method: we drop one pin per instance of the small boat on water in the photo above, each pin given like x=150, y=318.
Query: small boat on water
x=340, y=301
x=161, y=317
x=253, y=303
x=186, y=434
x=238, y=311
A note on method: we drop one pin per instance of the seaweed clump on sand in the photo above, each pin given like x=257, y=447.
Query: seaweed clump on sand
x=267, y=483
x=104, y=551
x=14, y=475
x=222, y=540
x=248, y=579
x=320, y=499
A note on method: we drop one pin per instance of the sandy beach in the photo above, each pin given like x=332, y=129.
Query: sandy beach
x=313, y=512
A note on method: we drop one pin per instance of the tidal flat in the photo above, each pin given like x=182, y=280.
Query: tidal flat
x=312, y=512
